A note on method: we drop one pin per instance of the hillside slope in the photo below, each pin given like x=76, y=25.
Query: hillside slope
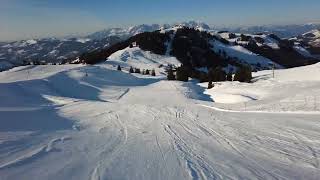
x=94, y=122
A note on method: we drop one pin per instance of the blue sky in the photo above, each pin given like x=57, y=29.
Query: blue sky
x=21, y=19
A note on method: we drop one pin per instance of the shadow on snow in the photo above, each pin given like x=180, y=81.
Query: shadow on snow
x=23, y=107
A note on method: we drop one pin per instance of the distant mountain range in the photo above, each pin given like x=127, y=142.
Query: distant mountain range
x=49, y=50
x=61, y=50
x=134, y=30
x=283, y=31
x=54, y=50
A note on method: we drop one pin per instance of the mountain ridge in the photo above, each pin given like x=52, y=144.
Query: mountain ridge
x=199, y=48
x=54, y=50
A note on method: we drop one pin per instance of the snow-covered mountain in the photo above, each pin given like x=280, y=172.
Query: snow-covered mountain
x=134, y=30
x=59, y=50
x=49, y=50
x=312, y=38
x=126, y=32
x=287, y=52
x=310, y=41
x=198, y=48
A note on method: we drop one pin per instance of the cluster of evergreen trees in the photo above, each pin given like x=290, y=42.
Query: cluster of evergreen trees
x=243, y=74
x=138, y=71
x=181, y=73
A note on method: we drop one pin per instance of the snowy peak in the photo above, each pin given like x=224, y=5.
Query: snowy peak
x=134, y=30
x=125, y=33
x=195, y=25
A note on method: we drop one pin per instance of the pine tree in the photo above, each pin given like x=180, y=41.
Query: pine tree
x=182, y=74
x=137, y=70
x=217, y=74
x=229, y=76
x=210, y=85
x=153, y=72
x=131, y=70
x=243, y=74
x=119, y=68
x=170, y=75
x=224, y=54
x=147, y=72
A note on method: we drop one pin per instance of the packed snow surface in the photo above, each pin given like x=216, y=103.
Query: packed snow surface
x=93, y=123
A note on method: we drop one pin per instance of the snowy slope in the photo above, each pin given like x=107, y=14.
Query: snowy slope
x=137, y=58
x=93, y=122
x=242, y=54
x=295, y=89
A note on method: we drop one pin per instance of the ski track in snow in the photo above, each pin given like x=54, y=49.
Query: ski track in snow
x=108, y=154
x=35, y=154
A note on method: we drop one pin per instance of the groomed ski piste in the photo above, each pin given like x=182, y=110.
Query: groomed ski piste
x=94, y=123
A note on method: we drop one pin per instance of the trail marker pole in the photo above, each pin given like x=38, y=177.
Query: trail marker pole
x=273, y=67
